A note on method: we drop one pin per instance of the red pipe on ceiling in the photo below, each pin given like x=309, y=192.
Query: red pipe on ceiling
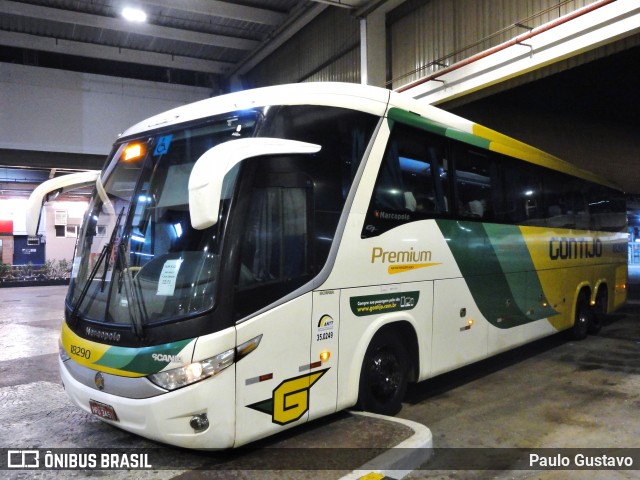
x=507, y=44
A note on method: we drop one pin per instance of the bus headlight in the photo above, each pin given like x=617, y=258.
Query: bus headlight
x=194, y=372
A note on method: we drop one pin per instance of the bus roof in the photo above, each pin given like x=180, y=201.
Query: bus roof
x=348, y=95
x=374, y=100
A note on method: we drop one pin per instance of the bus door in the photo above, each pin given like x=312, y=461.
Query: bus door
x=275, y=382
x=284, y=383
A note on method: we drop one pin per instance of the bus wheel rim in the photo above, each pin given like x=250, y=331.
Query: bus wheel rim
x=385, y=375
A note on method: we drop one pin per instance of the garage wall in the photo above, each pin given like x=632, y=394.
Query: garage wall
x=59, y=111
x=312, y=55
x=420, y=32
x=423, y=31
x=594, y=143
x=586, y=114
x=61, y=247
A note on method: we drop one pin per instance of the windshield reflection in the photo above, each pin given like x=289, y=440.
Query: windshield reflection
x=152, y=265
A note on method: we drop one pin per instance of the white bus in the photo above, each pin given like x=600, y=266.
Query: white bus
x=276, y=255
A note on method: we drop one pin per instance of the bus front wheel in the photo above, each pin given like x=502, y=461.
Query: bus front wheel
x=384, y=375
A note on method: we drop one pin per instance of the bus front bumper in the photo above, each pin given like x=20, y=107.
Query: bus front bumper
x=167, y=418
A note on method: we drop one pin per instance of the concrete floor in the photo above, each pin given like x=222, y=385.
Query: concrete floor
x=553, y=393
x=550, y=394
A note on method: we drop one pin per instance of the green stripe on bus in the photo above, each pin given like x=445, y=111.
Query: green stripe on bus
x=140, y=360
x=505, y=298
x=468, y=138
x=415, y=120
x=517, y=264
x=117, y=357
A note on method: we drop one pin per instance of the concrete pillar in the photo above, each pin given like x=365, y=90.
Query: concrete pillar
x=373, y=49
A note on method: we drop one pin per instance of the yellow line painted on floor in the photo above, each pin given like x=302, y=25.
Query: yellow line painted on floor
x=372, y=476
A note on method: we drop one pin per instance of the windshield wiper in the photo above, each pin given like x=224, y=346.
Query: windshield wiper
x=131, y=293
x=104, y=254
x=108, y=248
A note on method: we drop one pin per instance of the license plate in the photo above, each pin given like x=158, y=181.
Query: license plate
x=103, y=410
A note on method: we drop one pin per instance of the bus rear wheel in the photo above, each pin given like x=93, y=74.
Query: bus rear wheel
x=583, y=318
x=384, y=375
x=599, y=311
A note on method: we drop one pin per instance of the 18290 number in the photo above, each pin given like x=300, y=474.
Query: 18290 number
x=80, y=352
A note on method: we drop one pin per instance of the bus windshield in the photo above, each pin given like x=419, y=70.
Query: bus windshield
x=140, y=263
x=138, y=256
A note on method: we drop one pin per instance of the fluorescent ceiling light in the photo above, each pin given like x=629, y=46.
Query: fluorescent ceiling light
x=134, y=14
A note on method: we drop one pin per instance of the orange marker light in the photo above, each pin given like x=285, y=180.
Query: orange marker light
x=324, y=356
x=132, y=152
x=470, y=322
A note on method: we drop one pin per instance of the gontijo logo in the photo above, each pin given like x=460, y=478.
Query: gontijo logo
x=402, y=260
x=290, y=400
x=565, y=248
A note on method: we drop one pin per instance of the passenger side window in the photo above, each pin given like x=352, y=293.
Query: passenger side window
x=275, y=252
x=412, y=183
x=523, y=193
x=475, y=173
x=276, y=228
x=607, y=209
x=564, y=203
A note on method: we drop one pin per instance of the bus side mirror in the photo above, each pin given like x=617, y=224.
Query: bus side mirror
x=207, y=176
x=56, y=186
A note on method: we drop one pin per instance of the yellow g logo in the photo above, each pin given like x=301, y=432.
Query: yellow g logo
x=290, y=400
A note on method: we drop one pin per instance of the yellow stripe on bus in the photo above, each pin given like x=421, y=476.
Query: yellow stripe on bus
x=87, y=353
x=506, y=145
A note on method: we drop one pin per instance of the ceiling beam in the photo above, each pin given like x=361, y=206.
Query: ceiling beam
x=8, y=7
x=33, y=159
x=103, y=52
x=298, y=19
x=229, y=10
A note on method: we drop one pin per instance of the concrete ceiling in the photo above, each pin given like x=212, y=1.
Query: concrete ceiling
x=205, y=42
x=196, y=41
x=192, y=42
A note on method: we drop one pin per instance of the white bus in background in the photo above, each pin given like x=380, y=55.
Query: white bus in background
x=275, y=255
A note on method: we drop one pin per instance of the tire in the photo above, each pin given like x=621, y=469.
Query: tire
x=384, y=375
x=583, y=318
x=599, y=311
